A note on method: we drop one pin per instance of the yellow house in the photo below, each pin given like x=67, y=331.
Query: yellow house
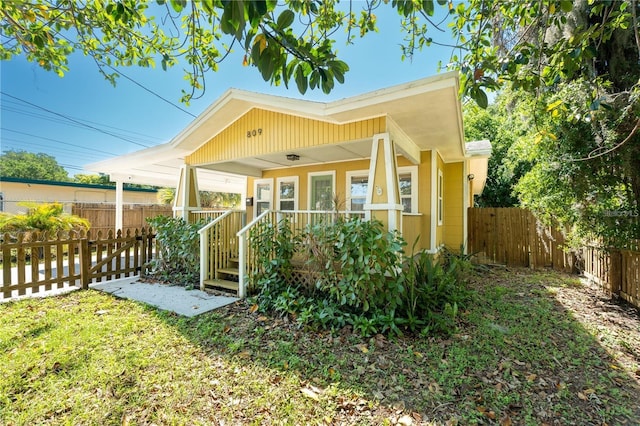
x=397, y=155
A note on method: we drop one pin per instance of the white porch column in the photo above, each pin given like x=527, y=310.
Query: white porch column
x=119, y=204
x=383, y=192
x=187, y=197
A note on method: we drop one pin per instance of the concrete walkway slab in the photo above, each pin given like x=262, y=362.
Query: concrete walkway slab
x=167, y=297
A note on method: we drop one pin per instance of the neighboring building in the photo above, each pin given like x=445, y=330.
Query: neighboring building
x=16, y=190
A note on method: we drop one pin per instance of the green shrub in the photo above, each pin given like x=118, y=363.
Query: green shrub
x=358, y=277
x=49, y=217
x=178, y=257
x=436, y=290
x=360, y=264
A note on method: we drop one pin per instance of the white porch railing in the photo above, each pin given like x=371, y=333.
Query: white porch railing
x=197, y=215
x=298, y=220
x=218, y=244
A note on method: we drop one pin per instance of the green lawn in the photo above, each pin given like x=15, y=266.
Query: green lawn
x=534, y=348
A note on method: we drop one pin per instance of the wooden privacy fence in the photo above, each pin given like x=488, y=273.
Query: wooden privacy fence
x=36, y=262
x=616, y=271
x=514, y=237
x=102, y=216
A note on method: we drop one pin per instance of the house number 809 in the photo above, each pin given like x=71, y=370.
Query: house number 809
x=254, y=132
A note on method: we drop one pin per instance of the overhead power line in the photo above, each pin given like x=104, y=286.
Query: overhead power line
x=6, y=106
x=76, y=121
x=57, y=141
x=134, y=81
x=150, y=91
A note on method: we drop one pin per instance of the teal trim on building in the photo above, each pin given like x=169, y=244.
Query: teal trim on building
x=72, y=184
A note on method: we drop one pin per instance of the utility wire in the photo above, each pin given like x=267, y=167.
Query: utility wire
x=150, y=91
x=11, y=144
x=57, y=141
x=134, y=81
x=76, y=121
x=26, y=112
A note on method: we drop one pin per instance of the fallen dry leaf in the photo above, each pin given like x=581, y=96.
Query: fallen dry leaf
x=310, y=394
x=363, y=348
x=405, y=420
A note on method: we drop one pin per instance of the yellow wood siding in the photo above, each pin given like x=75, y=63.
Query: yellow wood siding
x=424, y=199
x=454, y=207
x=439, y=228
x=276, y=132
x=413, y=225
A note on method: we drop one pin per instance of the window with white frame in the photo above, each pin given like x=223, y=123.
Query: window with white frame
x=263, y=195
x=408, y=181
x=357, y=182
x=287, y=193
x=440, y=197
x=322, y=186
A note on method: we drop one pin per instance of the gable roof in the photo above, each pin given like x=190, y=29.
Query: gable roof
x=428, y=111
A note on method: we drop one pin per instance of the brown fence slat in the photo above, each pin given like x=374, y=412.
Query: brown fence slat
x=514, y=237
x=101, y=216
x=38, y=253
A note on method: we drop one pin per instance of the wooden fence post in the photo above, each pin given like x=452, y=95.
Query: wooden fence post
x=85, y=262
x=615, y=271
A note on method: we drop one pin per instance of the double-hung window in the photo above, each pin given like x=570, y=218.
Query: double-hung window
x=408, y=181
x=287, y=193
x=440, y=197
x=263, y=195
x=358, y=181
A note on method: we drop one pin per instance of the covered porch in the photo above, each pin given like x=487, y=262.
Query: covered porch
x=393, y=155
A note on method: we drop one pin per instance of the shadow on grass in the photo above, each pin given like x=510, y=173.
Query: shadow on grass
x=519, y=357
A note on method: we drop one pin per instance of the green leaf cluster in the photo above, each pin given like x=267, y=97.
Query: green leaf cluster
x=529, y=45
x=49, y=217
x=29, y=165
x=178, y=257
x=354, y=275
x=584, y=175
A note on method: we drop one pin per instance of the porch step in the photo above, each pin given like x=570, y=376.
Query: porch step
x=229, y=271
x=229, y=285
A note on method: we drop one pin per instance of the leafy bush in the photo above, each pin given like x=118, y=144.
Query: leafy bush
x=358, y=277
x=178, y=257
x=49, y=217
x=435, y=290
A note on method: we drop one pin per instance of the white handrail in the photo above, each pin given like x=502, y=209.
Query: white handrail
x=253, y=222
x=216, y=220
x=204, y=246
x=242, y=253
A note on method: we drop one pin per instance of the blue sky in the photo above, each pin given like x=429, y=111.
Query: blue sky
x=138, y=118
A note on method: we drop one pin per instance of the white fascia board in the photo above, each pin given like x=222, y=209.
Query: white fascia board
x=405, y=145
x=433, y=83
x=154, y=154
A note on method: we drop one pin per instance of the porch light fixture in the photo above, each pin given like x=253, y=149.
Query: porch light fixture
x=293, y=157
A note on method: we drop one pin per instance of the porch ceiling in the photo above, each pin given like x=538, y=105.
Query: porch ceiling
x=253, y=166
x=160, y=166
